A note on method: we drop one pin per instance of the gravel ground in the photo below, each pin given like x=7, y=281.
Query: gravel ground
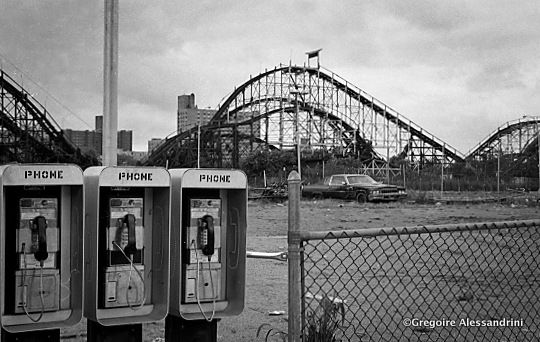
x=266, y=283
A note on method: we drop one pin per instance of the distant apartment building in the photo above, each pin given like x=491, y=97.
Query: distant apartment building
x=125, y=140
x=92, y=140
x=153, y=143
x=136, y=155
x=85, y=140
x=188, y=115
x=99, y=123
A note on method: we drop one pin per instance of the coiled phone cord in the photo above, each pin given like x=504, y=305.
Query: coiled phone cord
x=193, y=243
x=131, y=268
x=35, y=320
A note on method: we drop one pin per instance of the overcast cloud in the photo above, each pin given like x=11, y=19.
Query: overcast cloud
x=459, y=69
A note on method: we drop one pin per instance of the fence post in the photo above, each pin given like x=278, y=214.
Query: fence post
x=293, y=241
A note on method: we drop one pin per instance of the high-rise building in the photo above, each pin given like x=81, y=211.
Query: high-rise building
x=125, y=140
x=85, y=140
x=153, y=143
x=188, y=115
x=99, y=123
x=92, y=140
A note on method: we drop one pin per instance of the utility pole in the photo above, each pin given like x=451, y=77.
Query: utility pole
x=199, y=141
x=297, y=92
x=110, y=84
x=499, y=169
x=442, y=170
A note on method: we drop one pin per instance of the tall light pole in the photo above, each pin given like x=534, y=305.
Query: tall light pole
x=442, y=170
x=499, y=168
x=110, y=84
x=199, y=141
x=297, y=92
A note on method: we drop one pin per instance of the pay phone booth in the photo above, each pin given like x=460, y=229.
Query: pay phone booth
x=41, y=260
x=126, y=247
x=208, y=234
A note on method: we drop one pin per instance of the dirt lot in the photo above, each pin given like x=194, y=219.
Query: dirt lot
x=266, y=281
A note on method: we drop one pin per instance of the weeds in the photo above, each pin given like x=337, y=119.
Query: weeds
x=271, y=333
x=323, y=323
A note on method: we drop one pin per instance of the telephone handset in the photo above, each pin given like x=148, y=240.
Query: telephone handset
x=39, y=238
x=205, y=234
x=129, y=223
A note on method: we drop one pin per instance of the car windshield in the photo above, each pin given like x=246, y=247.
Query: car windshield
x=361, y=179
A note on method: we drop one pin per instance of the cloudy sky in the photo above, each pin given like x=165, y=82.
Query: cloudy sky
x=457, y=68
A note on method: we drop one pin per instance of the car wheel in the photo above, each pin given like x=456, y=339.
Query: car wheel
x=318, y=196
x=361, y=197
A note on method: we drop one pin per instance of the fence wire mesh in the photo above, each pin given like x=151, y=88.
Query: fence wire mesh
x=436, y=283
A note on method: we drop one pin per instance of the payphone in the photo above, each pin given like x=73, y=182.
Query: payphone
x=41, y=246
x=208, y=233
x=126, y=244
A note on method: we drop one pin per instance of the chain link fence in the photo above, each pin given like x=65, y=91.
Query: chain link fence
x=466, y=282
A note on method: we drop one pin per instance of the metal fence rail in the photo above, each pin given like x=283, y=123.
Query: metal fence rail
x=429, y=283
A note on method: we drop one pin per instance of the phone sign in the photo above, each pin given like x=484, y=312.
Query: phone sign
x=150, y=176
x=42, y=174
x=211, y=178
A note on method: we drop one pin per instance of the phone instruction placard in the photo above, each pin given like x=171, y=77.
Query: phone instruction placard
x=202, y=207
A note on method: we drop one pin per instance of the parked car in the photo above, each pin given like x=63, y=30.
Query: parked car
x=362, y=188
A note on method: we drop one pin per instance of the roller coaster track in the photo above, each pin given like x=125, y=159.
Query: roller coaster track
x=326, y=112
x=512, y=138
x=510, y=151
x=28, y=134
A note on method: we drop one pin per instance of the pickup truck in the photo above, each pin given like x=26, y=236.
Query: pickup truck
x=361, y=188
